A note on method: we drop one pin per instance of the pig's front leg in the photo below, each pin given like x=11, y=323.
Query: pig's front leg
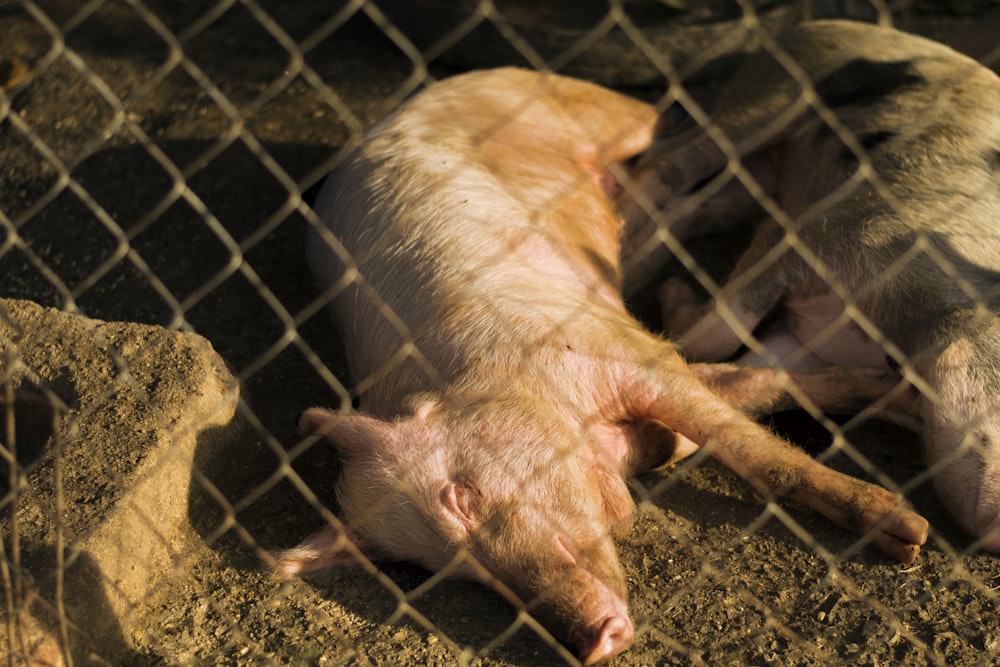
x=332, y=546
x=762, y=391
x=682, y=403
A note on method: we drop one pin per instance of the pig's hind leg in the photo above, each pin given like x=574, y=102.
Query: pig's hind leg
x=835, y=390
x=773, y=466
x=763, y=391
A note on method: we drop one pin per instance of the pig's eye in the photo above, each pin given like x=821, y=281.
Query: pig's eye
x=461, y=499
x=567, y=549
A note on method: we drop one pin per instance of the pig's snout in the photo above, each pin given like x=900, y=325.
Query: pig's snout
x=613, y=632
x=608, y=638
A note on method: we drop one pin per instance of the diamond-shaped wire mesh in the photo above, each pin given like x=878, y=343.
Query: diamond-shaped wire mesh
x=161, y=331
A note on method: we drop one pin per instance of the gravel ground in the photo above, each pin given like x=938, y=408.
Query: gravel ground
x=716, y=574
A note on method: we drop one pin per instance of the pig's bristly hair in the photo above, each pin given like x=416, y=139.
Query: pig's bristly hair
x=439, y=182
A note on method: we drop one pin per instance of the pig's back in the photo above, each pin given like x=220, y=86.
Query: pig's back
x=927, y=120
x=443, y=222
x=391, y=252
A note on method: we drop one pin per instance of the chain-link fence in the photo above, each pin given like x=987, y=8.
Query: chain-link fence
x=159, y=158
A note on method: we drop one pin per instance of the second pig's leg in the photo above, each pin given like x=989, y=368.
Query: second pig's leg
x=836, y=390
x=716, y=330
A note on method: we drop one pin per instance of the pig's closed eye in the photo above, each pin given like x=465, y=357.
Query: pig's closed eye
x=461, y=499
x=567, y=549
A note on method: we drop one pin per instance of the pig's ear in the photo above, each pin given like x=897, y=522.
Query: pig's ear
x=350, y=433
x=461, y=500
x=330, y=547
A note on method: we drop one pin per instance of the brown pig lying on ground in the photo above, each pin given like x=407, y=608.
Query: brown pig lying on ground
x=472, y=253
x=883, y=244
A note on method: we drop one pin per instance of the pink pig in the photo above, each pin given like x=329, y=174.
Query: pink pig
x=471, y=252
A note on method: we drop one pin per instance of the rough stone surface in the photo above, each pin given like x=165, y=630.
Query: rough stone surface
x=117, y=412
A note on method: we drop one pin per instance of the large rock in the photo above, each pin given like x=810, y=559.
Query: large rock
x=107, y=419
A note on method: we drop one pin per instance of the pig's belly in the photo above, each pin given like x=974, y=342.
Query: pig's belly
x=819, y=323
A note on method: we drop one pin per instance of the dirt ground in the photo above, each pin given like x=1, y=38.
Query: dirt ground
x=716, y=574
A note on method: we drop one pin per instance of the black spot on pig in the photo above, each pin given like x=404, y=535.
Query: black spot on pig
x=892, y=364
x=869, y=142
x=983, y=440
x=872, y=140
x=993, y=161
x=865, y=82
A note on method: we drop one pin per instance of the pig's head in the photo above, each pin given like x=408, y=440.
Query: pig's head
x=496, y=484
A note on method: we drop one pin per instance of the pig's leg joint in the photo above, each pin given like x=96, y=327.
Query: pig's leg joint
x=786, y=480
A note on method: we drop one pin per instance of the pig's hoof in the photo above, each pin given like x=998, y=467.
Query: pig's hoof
x=900, y=534
x=678, y=305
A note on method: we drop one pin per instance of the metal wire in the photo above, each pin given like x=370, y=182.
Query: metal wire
x=160, y=159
